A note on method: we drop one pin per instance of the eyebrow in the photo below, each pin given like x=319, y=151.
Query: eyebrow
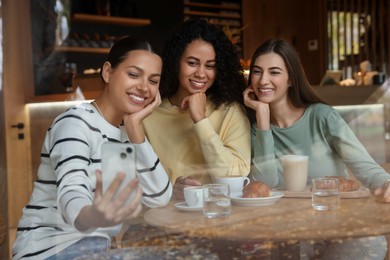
x=141, y=70
x=134, y=67
x=271, y=68
x=192, y=57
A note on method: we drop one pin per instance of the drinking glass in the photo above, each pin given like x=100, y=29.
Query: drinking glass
x=68, y=75
x=386, y=120
x=325, y=193
x=216, y=200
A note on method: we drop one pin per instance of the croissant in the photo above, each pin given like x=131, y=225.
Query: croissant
x=346, y=184
x=255, y=189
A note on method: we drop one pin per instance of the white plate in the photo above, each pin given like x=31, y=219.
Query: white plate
x=263, y=201
x=184, y=207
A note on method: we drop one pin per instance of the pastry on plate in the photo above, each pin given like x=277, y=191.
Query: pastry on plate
x=346, y=184
x=256, y=189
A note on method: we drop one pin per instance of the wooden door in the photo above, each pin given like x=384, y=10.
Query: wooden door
x=17, y=83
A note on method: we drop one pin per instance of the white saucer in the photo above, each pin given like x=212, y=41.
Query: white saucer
x=184, y=207
x=263, y=201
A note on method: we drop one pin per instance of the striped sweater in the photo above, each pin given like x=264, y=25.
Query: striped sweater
x=66, y=182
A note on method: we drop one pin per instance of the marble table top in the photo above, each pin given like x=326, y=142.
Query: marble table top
x=287, y=219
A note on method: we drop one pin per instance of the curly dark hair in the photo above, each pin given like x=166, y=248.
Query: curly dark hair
x=229, y=83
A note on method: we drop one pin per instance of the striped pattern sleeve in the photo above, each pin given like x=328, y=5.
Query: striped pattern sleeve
x=155, y=183
x=70, y=147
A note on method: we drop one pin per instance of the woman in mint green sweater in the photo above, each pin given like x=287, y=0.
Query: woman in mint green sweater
x=291, y=119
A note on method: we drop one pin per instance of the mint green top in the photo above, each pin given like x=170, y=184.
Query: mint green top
x=323, y=135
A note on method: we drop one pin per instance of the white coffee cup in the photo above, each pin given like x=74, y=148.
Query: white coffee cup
x=193, y=196
x=295, y=171
x=236, y=183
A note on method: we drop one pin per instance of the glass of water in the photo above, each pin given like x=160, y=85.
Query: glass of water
x=386, y=120
x=216, y=200
x=325, y=193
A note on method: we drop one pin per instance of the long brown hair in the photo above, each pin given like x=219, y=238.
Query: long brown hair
x=301, y=93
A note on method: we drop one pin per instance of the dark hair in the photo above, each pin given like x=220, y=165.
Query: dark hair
x=229, y=83
x=301, y=92
x=123, y=46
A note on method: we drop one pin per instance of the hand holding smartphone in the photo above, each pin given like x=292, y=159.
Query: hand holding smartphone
x=118, y=157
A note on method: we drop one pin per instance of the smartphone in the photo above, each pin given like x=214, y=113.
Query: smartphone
x=118, y=157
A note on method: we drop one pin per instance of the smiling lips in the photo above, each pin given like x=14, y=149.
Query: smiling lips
x=265, y=90
x=197, y=84
x=137, y=99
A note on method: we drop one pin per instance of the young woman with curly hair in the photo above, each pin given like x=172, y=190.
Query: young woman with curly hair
x=200, y=130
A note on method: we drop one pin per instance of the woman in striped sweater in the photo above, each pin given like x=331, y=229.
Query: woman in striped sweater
x=68, y=212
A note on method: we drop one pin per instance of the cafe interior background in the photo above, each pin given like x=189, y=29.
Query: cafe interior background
x=52, y=49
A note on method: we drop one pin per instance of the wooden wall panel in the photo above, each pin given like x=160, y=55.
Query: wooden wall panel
x=309, y=19
x=265, y=20
x=298, y=21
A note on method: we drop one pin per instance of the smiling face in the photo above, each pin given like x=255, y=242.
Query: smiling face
x=134, y=83
x=269, y=78
x=197, y=69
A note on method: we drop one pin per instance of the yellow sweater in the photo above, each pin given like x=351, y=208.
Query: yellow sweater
x=219, y=145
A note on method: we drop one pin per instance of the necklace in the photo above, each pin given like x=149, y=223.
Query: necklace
x=97, y=107
x=101, y=113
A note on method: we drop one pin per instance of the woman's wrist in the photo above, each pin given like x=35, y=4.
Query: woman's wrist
x=84, y=221
x=136, y=134
x=180, y=179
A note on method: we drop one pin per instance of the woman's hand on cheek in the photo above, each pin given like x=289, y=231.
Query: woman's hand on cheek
x=250, y=99
x=196, y=105
x=132, y=122
x=140, y=115
x=262, y=109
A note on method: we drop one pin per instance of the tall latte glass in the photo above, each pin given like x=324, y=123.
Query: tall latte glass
x=295, y=172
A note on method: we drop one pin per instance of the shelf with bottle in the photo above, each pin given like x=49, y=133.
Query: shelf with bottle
x=98, y=44
x=87, y=43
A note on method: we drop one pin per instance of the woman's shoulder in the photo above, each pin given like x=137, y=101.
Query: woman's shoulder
x=323, y=113
x=321, y=109
x=83, y=111
x=82, y=108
